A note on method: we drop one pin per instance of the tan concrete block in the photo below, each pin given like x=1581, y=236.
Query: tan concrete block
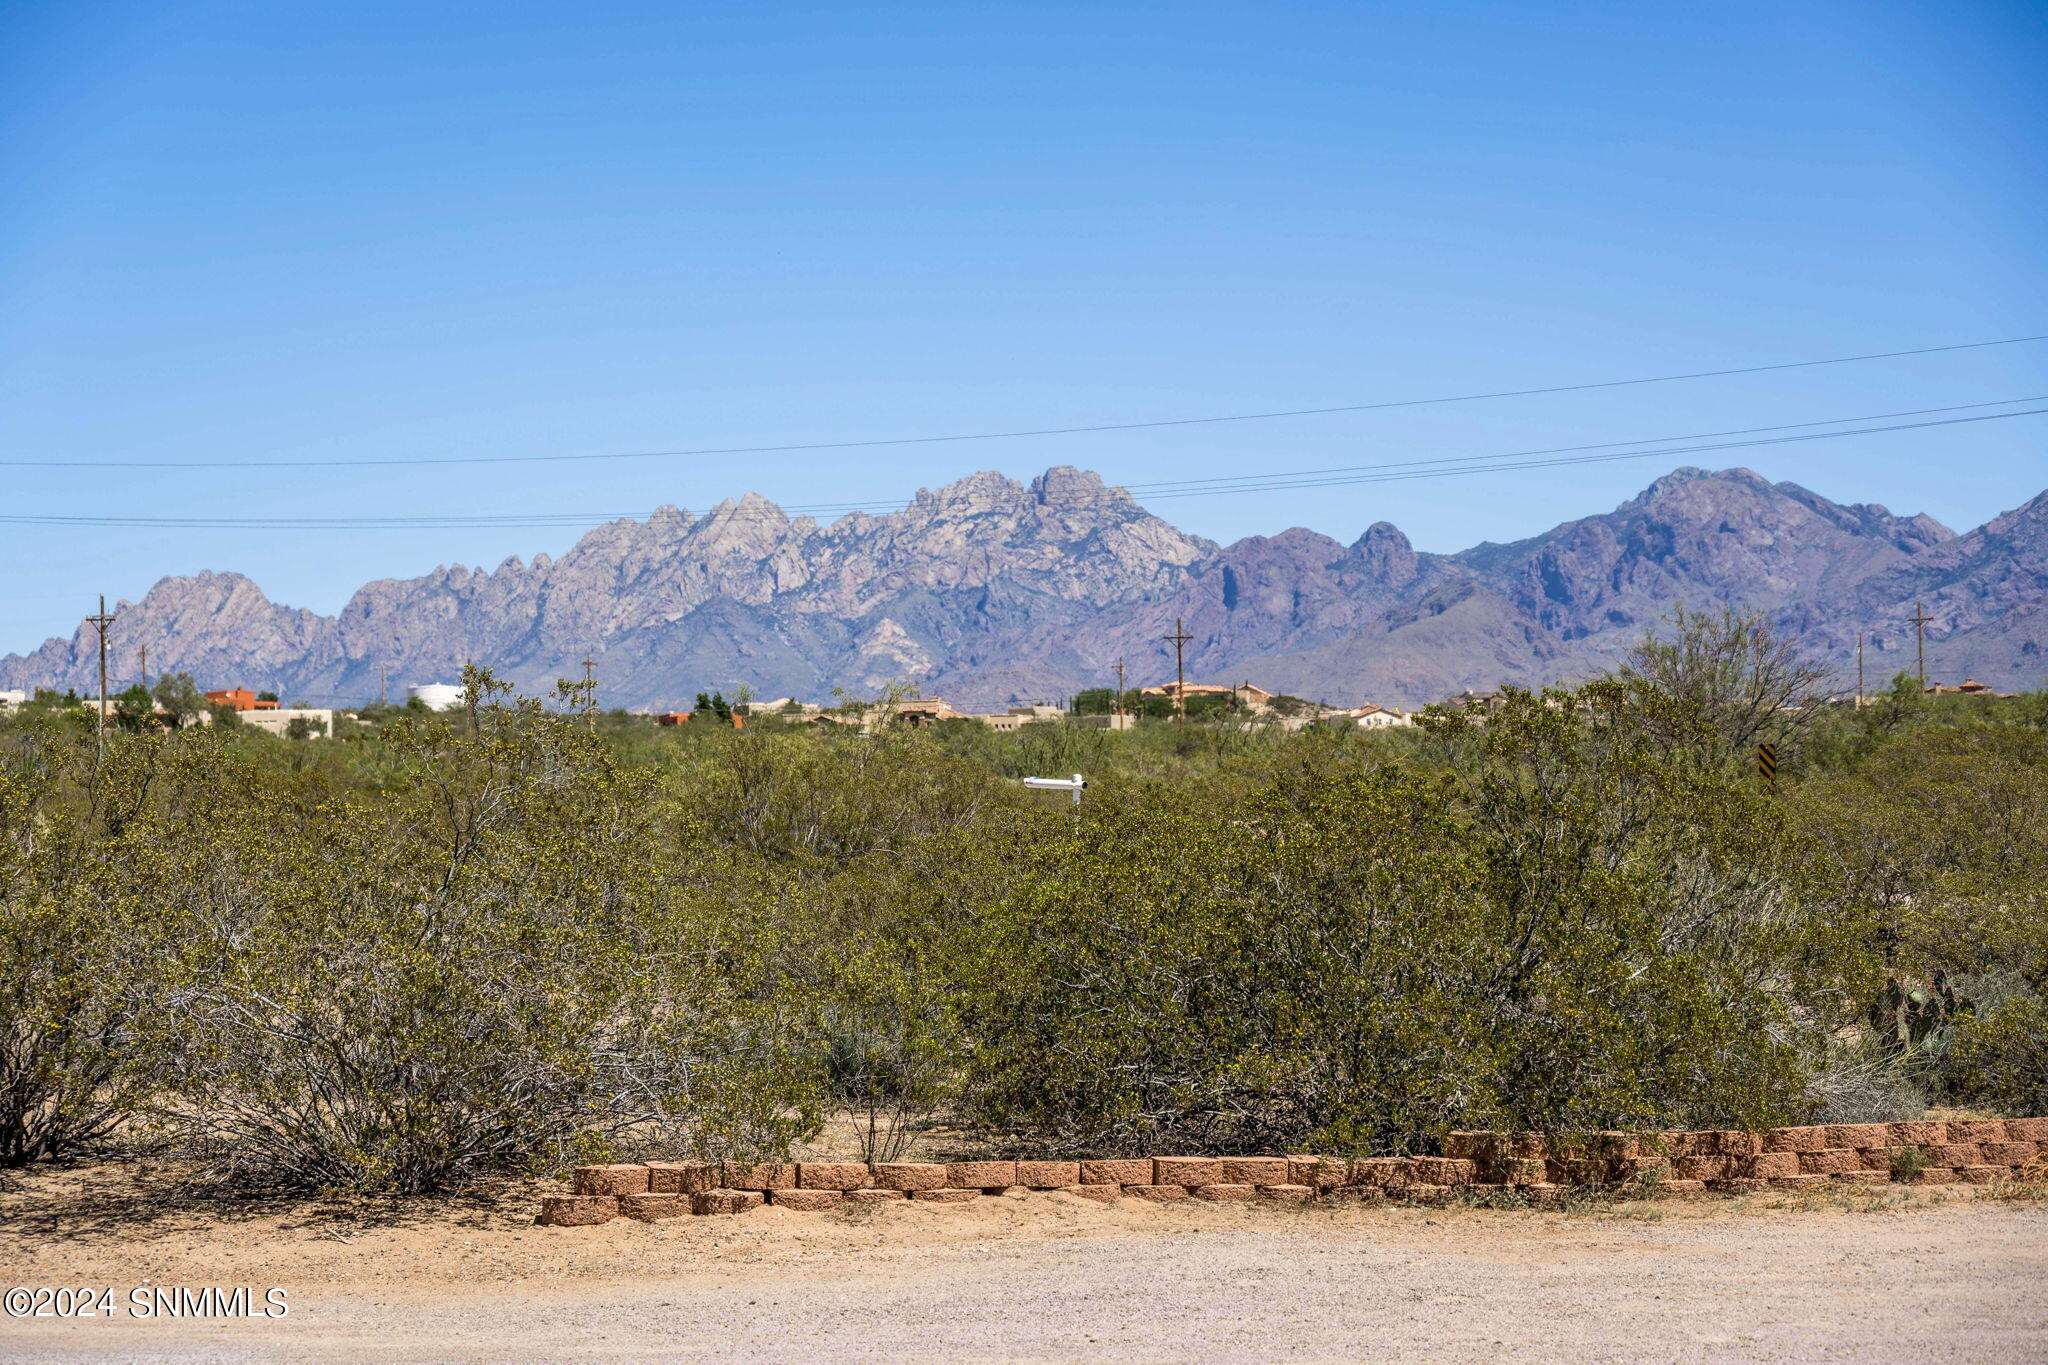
x=874, y=1196
x=1795, y=1139
x=1432, y=1195
x=1542, y=1196
x=981, y=1175
x=1191, y=1171
x=1384, y=1172
x=1918, y=1134
x=807, y=1201
x=1621, y=1170
x=1158, y=1194
x=1516, y=1170
x=1830, y=1162
x=831, y=1175
x=748, y=1175
x=1471, y=1145
x=578, y=1210
x=1117, y=1172
x=1570, y=1171
x=1225, y=1194
x=2009, y=1153
x=1682, y=1142
x=945, y=1196
x=1772, y=1165
x=1048, y=1175
x=681, y=1177
x=1699, y=1167
x=1616, y=1144
x=1933, y=1175
x=1323, y=1172
x=617, y=1178
x=1100, y=1194
x=1983, y=1175
x=1732, y=1142
x=1976, y=1130
x=1800, y=1182
x=2026, y=1130
x=910, y=1175
x=1858, y=1134
x=652, y=1208
x=1743, y=1184
x=1864, y=1177
x=1954, y=1155
x=1287, y=1194
x=1444, y=1170
x=1256, y=1170
x=706, y=1203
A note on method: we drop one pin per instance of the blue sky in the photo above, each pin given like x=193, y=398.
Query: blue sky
x=250, y=232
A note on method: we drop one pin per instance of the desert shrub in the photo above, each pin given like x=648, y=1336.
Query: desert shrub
x=1571, y=926
x=2000, y=1058
x=75, y=942
x=492, y=967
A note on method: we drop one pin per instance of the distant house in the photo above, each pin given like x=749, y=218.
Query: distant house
x=739, y=722
x=241, y=699
x=1968, y=687
x=1483, y=702
x=1244, y=694
x=1017, y=717
x=277, y=720
x=10, y=700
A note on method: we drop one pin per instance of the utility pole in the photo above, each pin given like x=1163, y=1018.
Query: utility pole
x=381, y=680
x=1920, y=618
x=590, y=689
x=145, y=668
x=1178, y=640
x=1859, y=670
x=1119, y=691
x=101, y=622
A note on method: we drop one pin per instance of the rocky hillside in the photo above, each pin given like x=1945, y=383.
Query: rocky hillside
x=987, y=591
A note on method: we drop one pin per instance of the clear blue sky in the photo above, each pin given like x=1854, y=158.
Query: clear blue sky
x=280, y=231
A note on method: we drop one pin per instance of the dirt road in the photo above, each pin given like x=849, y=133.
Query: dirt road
x=1049, y=1277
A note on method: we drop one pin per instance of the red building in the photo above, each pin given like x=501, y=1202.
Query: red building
x=242, y=699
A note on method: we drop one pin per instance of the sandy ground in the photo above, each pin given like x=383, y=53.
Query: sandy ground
x=1890, y=1276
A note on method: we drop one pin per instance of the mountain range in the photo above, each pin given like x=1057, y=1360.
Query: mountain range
x=988, y=591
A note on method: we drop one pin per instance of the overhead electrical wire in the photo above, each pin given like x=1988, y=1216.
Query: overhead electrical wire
x=1397, y=471
x=866, y=443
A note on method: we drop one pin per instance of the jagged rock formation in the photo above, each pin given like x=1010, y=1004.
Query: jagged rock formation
x=987, y=591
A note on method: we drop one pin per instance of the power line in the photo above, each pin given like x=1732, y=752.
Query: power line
x=861, y=444
x=1395, y=472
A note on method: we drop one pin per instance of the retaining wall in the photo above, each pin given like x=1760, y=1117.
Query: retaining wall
x=1531, y=1167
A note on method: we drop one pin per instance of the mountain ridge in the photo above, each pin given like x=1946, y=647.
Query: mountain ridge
x=987, y=590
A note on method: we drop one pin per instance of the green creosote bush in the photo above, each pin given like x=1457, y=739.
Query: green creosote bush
x=1573, y=927
x=498, y=964
x=78, y=959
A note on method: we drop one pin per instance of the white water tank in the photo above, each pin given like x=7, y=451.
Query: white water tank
x=435, y=696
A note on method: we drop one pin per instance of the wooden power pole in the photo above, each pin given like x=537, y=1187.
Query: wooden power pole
x=1859, y=670
x=1178, y=640
x=1119, y=699
x=590, y=688
x=1920, y=618
x=101, y=622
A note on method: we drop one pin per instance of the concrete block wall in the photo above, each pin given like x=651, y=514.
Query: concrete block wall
x=1530, y=1167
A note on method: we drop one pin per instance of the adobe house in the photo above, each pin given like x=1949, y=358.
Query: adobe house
x=241, y=699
